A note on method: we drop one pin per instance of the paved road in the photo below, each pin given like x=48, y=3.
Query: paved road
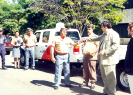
x=41, y=81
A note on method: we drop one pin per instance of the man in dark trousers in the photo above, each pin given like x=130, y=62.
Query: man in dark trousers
x=129, y=58
x=2, y=48
x=89, y=60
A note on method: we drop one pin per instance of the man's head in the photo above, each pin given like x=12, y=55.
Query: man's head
x=130, y=29
x=16, y=33
x=29, y=31
x=63, y=32
x=1, y=31
x=90, y=29
x=105, y=25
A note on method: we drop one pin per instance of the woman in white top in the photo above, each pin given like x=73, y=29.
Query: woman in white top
x=16, y=43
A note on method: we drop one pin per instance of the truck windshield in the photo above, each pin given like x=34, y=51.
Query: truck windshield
x=72, y=34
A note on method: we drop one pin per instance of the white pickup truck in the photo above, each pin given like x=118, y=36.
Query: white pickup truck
x=43, y=45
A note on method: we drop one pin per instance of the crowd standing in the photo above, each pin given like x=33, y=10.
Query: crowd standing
x=106, y=53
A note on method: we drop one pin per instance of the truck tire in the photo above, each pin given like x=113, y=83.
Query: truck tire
x=122, y=80
x=22, y=59
x=7, y=52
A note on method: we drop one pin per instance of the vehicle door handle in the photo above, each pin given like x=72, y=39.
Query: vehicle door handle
x=36, y=45
x=45, y=45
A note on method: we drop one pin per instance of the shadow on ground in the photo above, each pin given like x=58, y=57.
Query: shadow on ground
x=75, y=89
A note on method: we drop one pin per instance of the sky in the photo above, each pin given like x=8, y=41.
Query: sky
x=10, y=1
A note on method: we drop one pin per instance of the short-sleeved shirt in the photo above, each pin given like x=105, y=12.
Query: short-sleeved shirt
x=62, y=45
x=29, y=40
x=16, y=41
x=2, y=40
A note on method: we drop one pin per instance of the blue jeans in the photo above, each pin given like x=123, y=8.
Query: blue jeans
x=29, y=51
x=62, y=60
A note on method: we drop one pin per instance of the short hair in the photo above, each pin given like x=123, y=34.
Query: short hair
x=90, y=26
x=130, y=25
x=106, y=24
x=16, y=32
x=63, y=29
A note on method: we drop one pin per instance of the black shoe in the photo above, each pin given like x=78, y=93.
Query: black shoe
x=55, y=87
x=92, y=87
x=4, y=68
x=25, y=68
x=70, y=86
x=82, y=85
x=15, y=67
x=33, y=68
x=102, y=94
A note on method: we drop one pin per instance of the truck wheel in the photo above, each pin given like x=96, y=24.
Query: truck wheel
x=22, y=59
x=7, y=52
x=122, y=80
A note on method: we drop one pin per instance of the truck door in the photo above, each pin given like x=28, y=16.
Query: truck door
x=42, y=43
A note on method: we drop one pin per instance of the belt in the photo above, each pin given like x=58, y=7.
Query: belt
x=62, y=53
x=29, y=46
x=16, y=46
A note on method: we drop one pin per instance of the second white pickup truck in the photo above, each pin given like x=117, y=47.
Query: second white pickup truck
x=43, y=45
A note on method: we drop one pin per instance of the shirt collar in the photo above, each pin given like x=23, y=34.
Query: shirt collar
x=109, y=30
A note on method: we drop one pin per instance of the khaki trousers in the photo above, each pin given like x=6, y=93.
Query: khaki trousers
x=89, y=71
x=108, y=73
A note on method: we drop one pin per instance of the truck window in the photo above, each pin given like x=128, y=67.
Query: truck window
x=38, y=36
x=45, y=37
x=72, y=34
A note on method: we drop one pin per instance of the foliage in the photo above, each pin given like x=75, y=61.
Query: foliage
x=80, y=13
x=18, y=17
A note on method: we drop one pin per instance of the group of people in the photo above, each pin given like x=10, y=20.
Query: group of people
x=104, y=50
x=29, y=41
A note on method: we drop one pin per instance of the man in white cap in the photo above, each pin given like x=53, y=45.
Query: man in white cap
x=30, y=41
x=2, y=48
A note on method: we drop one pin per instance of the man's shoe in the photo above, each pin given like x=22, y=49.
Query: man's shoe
x=55, y=87
x=70, y=86
x=33, y=68
x=92, y=87
x=82, y=85
x=102, y=94
x=4, y=68
x=25, y=68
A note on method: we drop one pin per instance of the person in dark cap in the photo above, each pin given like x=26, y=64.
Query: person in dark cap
x=29, y=41
x=2, y=48
x=61, y=45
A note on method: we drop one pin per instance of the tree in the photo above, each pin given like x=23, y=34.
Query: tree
x=80, y=13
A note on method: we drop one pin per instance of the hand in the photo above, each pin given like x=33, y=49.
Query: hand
x=17, y=45
x=86, y=52
x=84, y=39
x=53, y=60
x=79, y=42
x=101, y=53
